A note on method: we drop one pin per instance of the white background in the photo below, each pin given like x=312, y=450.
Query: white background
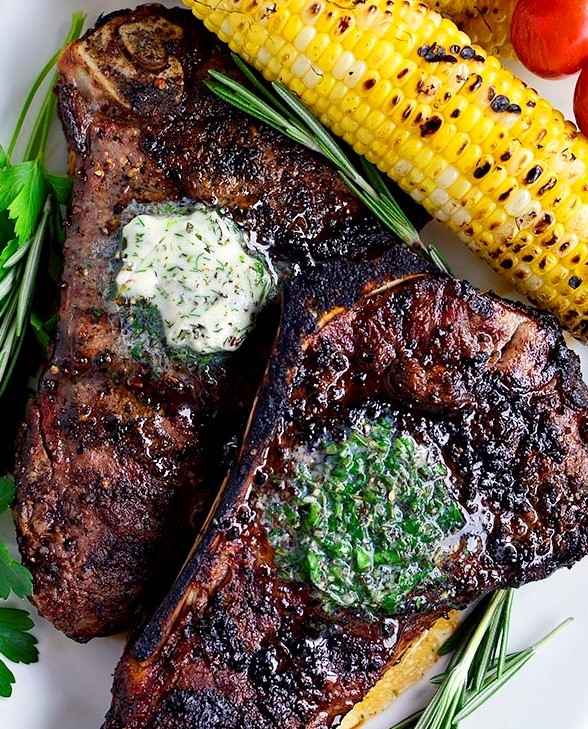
x=69, y=687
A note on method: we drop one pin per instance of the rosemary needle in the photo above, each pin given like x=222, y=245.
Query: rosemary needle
x=478, y=668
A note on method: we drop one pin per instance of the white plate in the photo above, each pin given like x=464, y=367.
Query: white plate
x=69, y=687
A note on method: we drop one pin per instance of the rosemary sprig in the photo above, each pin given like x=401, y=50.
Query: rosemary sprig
x=479, y=665
x=277, y=107
x=30, y=216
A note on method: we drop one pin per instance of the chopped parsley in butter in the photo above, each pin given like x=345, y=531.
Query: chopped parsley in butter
x=367, y=517
x=200, y=272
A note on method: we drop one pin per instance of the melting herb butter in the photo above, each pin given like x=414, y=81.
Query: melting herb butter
x=367, y=520
x=199, y=271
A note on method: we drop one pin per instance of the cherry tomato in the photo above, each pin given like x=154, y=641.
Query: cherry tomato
x=581, y=101
x=550, y=37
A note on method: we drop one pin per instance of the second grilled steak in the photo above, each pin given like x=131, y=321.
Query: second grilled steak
x=120, y=455
x=416, y=443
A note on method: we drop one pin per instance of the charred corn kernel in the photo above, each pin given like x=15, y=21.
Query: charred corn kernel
x=481, y=151
x=486, y=23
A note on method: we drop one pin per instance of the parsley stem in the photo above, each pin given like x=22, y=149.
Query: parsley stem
x=29, y=100
x=36, y=147
x=46, y=120
x=37, y=143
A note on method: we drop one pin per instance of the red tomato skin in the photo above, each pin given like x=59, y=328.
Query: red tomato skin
x=550, y=37
x=581, y=101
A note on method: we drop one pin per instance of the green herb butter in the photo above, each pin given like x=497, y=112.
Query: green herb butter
x=200, y=272
x=367, y=519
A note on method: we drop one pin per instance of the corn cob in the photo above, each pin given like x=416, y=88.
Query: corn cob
x=486, y=23
x=479, y=149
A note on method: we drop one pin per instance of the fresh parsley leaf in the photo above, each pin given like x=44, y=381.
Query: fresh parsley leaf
x=3, y=157
x=7, y=492
x=16, y=644
x=23, y=191
x=61, y=187
x=13, y=576
x=6, y=680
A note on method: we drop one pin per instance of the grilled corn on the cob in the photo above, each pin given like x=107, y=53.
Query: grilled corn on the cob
x=478, y=148
x=487, y=23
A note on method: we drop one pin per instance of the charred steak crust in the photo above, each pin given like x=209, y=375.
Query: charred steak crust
x=118, y=464
x=234, y=644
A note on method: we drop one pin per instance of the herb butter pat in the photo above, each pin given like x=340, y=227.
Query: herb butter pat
x=368, y=518
x=201, y=273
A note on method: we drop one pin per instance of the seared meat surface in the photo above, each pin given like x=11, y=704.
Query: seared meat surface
x=240, y=643
x=119, y=457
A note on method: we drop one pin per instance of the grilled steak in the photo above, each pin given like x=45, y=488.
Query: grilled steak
x=119, y=455
x=487, y=387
